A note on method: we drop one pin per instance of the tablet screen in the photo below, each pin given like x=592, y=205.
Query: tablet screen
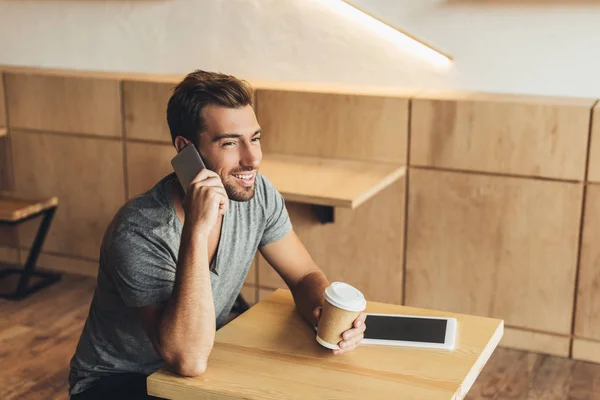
x=405, y=329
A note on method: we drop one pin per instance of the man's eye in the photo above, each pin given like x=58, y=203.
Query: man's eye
x=228, y=144
x=256, y=139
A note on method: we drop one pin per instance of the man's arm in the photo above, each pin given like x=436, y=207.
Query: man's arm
x=182, y=329
x=306, y=281
x=291, y=260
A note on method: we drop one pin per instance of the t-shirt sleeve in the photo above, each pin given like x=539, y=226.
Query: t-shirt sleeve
x=141, y=268
x=278, y=222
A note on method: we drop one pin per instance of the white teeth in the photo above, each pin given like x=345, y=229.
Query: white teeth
x=244, y=177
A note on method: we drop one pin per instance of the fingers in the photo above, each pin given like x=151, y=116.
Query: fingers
x=208, y=182
x=352, y=333
x=360, y=320
x=224, y=202
x=204, y=174
x=317, y=313
x=352, y=337
x=350, y=344
x=198, y=188
x=346, y=346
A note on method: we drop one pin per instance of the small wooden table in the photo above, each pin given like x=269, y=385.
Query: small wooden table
x=15, y=210
x=269, y=352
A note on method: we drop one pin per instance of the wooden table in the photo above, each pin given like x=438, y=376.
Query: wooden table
x=269, y=352
x=15, y=210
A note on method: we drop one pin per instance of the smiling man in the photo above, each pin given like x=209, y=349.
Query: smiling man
x=173, y=264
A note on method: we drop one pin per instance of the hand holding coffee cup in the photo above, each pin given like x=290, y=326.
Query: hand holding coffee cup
x=341, y=322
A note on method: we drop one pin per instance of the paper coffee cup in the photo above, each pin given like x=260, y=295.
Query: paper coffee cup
x=343, y=304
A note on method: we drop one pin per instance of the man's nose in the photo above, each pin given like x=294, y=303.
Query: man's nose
x=251, y=158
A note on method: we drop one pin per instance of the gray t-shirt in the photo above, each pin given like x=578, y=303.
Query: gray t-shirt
x=138, y=259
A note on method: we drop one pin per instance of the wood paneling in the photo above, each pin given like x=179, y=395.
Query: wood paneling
x=251, y=278
x=503, y=134
x=147, y=164
x=586, y=350
x=363, y=247
x=9, y=236
x=369, y=128
x=536, y=342
x=268, y=277
x=249, y=293
x=2, y=102
x=6, y=170
x=85, y=174
x=587, y=314
x=64, y=104
x=494, y=246
x=9, y=254
x=146, y=110
x=70, y=264
x=79, y=73
x=333, y=88
x=594, y=168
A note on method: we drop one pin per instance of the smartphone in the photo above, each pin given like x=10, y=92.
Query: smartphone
x=410, y=331
x=187, y=164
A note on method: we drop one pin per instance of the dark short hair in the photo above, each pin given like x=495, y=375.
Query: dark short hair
x=185, y=111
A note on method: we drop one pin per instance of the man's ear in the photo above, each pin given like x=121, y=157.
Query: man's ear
x=180, y=143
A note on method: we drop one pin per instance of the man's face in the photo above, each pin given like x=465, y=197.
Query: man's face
x=231, y=148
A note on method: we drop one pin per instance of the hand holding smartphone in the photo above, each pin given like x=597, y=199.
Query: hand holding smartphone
x=187, y=165
x=209, y=198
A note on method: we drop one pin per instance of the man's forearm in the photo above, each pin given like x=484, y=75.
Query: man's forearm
x=187, y=327
x=308, y=294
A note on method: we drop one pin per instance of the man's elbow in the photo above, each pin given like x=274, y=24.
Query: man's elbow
x=191, y=368
x=187, y=365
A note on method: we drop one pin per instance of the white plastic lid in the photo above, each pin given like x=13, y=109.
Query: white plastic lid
x=345, y=296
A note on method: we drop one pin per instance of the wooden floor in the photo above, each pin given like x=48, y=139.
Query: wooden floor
x=38, y=336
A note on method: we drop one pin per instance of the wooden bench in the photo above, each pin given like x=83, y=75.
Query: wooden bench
x=15, y=210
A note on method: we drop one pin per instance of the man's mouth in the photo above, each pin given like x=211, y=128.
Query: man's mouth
x=246, y=179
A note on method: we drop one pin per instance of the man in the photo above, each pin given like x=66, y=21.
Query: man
x=172, y=264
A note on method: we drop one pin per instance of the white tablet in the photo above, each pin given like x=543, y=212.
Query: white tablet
x=410, y=330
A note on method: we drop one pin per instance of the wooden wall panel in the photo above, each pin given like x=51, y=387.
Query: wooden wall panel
x=9, y=236
x=250, y=294
x=6, y=170
x=2, y=102
x=251, y=278
x=587, y=315
x=503, y=134
x=69, y=264
x=86, y=175
x=9, y=254
x=586, y=350
x=363, y=247
x=146, y=110
x=6, y=182
x=594, y=167
x=147, y=164
x=368, y=128
x=536, y=342
x=494, y=246
x=64, y=104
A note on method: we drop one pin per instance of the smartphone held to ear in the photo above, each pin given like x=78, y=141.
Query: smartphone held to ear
x=187, y=164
